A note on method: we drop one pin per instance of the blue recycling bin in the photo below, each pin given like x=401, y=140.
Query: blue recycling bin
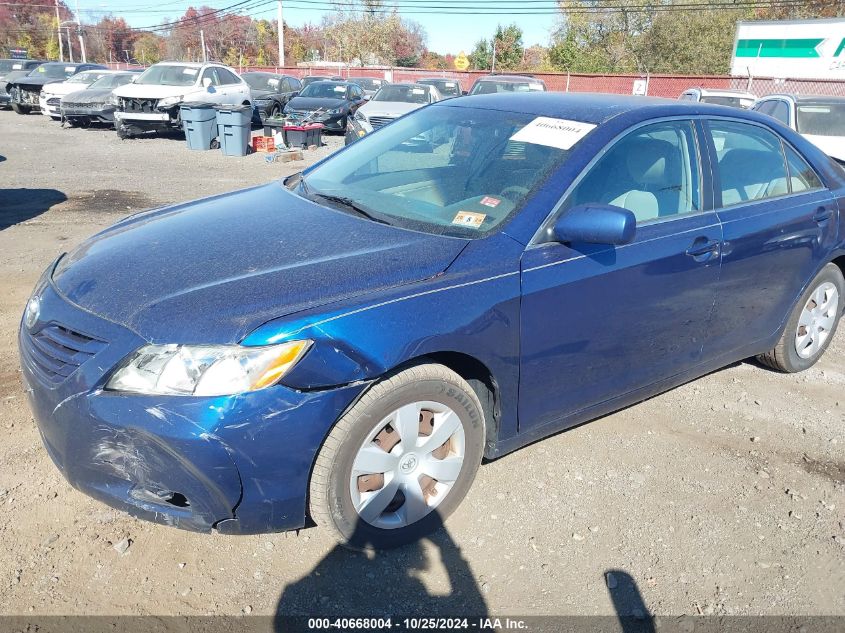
x=234, y=129
x=199, y=121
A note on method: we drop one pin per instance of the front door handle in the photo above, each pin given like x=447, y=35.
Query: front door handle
x=823, y=215
x=702, y=248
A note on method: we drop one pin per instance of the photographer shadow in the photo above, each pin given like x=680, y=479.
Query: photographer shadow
x=386, y=583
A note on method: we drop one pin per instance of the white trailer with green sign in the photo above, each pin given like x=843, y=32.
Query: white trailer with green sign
x=790, y=49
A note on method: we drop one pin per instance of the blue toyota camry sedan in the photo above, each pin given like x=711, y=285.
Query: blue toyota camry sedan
x=346, y=346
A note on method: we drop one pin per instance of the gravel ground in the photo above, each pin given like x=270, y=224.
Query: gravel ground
x=724, y=496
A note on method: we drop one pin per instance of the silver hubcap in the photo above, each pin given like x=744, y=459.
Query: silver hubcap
x=407, y=465
x=817, y=320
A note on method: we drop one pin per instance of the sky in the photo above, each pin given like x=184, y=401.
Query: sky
x=446, y=34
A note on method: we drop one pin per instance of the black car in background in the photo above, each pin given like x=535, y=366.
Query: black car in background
x=310, y=79
x=328, y=102
x=271, y=92
x=12, y=69
x=447, y=88
x=370, y=85
x=95, y=103
x=24, y=91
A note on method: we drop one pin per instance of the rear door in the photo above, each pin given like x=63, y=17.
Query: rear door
x=601, y=321
x=780, y=223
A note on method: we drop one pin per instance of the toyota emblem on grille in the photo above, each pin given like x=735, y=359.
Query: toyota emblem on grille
x=32, y=312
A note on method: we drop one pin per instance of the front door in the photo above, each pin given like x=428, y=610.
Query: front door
x=601, y=321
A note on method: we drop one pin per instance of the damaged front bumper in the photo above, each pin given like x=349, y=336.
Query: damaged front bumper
x=240, y=464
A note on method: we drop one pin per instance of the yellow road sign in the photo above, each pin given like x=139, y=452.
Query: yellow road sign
x=461, y=61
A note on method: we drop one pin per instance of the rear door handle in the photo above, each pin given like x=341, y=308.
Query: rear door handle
x=823, y=215
x=703, y=247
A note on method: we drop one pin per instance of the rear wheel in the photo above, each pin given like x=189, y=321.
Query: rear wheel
x=400, y=460
x=276, y=111
x=812, y=324
x=21, y=109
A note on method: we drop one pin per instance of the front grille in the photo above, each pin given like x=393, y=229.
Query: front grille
x=56, y=351
x=138, y=105
x=54, y=101
x=379, y=121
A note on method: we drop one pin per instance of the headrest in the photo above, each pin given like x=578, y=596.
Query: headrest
x=647, y=160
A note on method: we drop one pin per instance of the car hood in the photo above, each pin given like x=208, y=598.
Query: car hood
x=62, y=88
x=833, y=146
x=99, y=95
x=313, y=103
x=14, y=75
x=34, y=82
x=215, y=269
x=152, y=91
x=393, y=109
x=262, y=94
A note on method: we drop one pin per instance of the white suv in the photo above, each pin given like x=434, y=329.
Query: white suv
x=152, y=101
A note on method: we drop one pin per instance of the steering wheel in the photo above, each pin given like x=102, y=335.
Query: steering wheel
x=514, y=192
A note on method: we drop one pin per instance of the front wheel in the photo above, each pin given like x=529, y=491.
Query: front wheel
x=400, y=460
x=21, y=109
x=812, y=324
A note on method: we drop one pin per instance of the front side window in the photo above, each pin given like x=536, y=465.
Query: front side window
x=780, y=111
x=450, y=171
x=750, y=164
x=653, y=172
x=211, y=73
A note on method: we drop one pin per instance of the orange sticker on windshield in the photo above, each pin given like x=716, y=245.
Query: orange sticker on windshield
x=490, y=201
x=469, y=219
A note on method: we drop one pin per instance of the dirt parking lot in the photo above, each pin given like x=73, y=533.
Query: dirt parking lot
x=724, y=496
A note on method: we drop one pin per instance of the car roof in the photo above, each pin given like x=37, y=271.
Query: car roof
x=722, y=91
x=511, y=78
x=592, y=107
x=185, y=64
x=802, y=98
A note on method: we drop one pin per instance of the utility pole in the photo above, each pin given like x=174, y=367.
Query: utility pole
x=79, y=33
x=493, y=67
x=69, y=43
x=202, y=42
x=59, y=29
x=281, y=36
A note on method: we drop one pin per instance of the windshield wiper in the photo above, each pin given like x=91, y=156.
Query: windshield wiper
x=348, y=203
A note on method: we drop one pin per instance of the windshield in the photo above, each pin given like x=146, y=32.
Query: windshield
x=821, y=118
x=168, y=75
x=8, y=65
x=53, y=71
x=491, y=87
x=310, y=80
x=324, y=89
x=112, y=81
x=85, y=78
x=403, y=93
x=452, y=171
x=446, y=88
x=269, y=83
x=367, y=83
x=734, y=102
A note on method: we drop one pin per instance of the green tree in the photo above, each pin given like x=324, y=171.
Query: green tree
x=508, y=46
x=481, y=56
x=147, y=49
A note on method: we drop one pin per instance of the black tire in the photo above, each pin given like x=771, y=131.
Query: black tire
x=122, y=132
x=21, y=109
x=275, y=111
x=784, y=357
x=330, y=500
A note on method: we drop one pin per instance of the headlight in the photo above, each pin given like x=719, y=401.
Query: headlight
x=169, y=101
x=113, y=100
x=206, y=370
x=335, y=111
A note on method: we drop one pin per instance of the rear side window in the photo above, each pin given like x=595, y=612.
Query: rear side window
x=801, y=175
x=653, y=172
x=226, y=77
x=750, y=162
x=780, y=111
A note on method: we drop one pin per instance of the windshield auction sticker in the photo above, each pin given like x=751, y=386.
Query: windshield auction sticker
x=559, y=133
x=469, y=219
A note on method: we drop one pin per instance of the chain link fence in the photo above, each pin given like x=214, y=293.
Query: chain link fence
x=670, y=86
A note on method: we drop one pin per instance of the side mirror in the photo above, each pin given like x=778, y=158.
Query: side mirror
x=596, y=224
